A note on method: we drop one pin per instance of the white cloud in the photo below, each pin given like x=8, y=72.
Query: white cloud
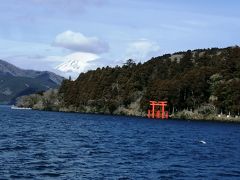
x=39, y=56
x=142, y=49
x=29, y=55
x=76, y=41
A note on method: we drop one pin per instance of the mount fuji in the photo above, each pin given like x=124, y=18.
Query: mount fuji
x=76, y=63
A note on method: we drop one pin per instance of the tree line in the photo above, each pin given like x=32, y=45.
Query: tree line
x=187, y=80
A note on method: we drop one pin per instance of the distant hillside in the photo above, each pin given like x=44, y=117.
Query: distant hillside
x=187, y=80
x=15, y=82
x=197, y=84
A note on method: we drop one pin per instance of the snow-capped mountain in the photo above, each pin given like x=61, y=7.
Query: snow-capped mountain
x=71, y=66
x=76, y=62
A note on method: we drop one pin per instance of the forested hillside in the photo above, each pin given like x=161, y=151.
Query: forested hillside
x=187, y=80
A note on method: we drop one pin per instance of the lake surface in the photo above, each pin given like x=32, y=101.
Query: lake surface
x=50, y=145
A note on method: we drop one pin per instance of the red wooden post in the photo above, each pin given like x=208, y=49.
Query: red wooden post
x=163, y=104
x=158, y=114
x=163, y=111
x=153, y=103
x=149, y=113
x=153, y=110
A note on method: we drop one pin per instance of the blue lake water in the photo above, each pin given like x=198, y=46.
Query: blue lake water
x=50, y=145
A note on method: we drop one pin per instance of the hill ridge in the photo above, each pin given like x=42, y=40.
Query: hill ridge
x=16, y=81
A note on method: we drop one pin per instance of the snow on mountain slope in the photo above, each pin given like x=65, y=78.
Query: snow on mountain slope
x=76, y=62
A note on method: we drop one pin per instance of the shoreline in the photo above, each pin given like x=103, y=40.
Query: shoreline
x=199, y=117
x=211, y=120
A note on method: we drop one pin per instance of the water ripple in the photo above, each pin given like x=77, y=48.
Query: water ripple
x=48, y=145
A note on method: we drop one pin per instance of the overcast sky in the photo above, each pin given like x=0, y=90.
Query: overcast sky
x=40, y=34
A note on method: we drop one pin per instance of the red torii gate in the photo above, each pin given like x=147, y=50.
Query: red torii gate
x=160, y=113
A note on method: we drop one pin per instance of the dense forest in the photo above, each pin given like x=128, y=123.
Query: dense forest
x=206, y=80
x=187, y=80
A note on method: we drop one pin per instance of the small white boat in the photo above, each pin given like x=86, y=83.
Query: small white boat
x=21, y=108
